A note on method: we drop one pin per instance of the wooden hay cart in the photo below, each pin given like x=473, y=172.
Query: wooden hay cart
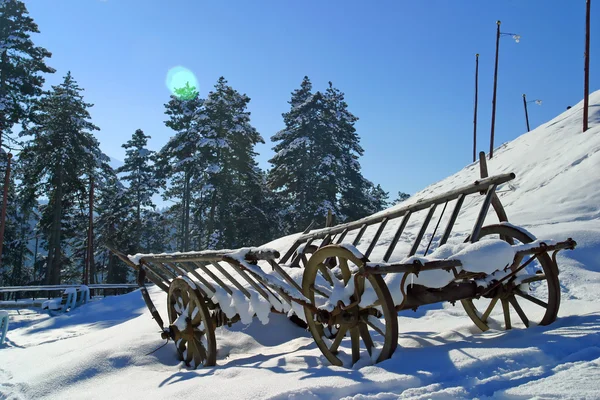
x=500, y=273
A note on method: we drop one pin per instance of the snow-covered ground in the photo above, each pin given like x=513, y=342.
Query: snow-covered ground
x=110, y=348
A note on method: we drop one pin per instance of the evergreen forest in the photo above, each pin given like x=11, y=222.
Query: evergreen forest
x=63, y=202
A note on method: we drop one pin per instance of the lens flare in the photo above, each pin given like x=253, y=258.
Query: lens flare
x=177, y=77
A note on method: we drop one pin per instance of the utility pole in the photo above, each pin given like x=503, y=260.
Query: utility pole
x=526, y=115
x=475, y=112
x=494, y=94
x=586, y=84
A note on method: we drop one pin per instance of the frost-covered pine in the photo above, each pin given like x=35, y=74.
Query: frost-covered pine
x=401, y=197
x=138, y=171
x=315, y=168
x=17, y=264
x=58, y=161
x=179, y=163
x=297, y=173
x=358, y=197
x=21, y=63
x=155, y=228
x=233, y=184
x=115, y=225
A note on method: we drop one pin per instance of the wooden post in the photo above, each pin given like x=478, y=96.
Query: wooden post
x=329, y=220
x=475, y=111
x=586, y=83
x=526, y=115
x=494, y=94
x=4, y=204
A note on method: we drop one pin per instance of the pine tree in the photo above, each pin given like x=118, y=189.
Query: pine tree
x=316, y=168
x=115, y=226
x=139, y=173
x=401, y=197
x=155, y=228
x=179, y=164
x=358, y=196
x=15, y=252
x=59, y=160
x=233, y=189
x=21, y=63
x=294, y=175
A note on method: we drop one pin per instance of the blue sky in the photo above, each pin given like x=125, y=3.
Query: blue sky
x=406, y=67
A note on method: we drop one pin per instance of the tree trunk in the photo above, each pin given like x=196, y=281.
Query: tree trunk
x=54, y=254
x=138, y=217
x=187, y=194
x=2, y=92
x=210, y=225
x=91, y=261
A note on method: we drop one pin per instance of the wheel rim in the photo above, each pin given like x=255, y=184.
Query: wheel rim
x=533, y=302
x=367, y=315
x=191, y=323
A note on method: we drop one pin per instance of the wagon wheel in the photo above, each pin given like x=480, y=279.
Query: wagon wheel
x=329, y=331
x=193, y=329
x=366, y=313
x=532, y=299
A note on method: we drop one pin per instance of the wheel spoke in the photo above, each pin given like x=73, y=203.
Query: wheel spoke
x=189, y=356
x=366, y=337
x=506, y=314
x=538, y=267
x=326, y=274
x=345, y=270
x=200, y=355
x=531, y=299
x=355, y=336
x=376, y=328
x=533, y=278
x=185, y=297
x=334, y=264
x=322, y=290
x=197, y=318
x=519, y=310
x=489, y=309
x=338, y=339
x=181, y=346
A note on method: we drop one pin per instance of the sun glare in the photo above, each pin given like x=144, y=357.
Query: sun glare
x=178, y=76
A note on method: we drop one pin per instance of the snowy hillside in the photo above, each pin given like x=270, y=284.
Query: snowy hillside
x=110, y=348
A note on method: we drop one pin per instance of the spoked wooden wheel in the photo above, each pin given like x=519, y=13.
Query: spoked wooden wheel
x=193, y=329
x=531, y=298
x=348, y=305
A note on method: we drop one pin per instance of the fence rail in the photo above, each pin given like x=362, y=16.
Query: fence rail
x=12, y=289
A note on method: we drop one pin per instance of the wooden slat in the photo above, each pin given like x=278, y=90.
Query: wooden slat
x=231, y=279
x=376, y=237
x=397, y=235
x=362, y=230
x=342, y=236
x=436, y=228
x=247, y=278
x=196, y=275
x=475, y=187
x=483, y=213
x=284, y=275
x=157, y=266
x=214, y=277
x=452, y=221
x=415, y=246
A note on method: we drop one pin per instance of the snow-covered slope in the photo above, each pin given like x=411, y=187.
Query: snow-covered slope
x=106, y=349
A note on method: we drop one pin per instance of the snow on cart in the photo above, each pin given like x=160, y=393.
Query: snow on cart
x=349, y=281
